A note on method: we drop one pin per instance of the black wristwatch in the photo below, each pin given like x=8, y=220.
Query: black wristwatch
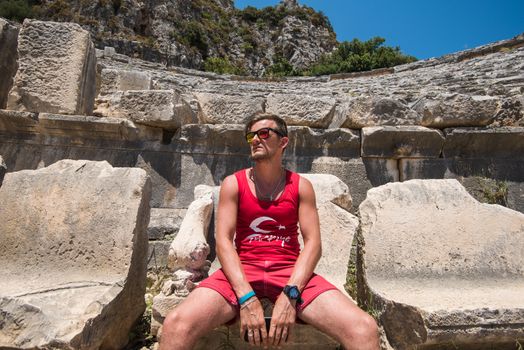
x=293, y=293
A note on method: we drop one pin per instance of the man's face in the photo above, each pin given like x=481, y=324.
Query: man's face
x=266, y=148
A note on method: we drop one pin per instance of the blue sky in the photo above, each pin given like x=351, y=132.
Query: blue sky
x=420, y=28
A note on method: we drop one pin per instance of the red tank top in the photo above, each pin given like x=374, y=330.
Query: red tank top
x=267, y=230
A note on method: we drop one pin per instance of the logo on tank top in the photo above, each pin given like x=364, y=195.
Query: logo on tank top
x=265, y=235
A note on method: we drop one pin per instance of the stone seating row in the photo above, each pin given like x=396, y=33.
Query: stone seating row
x=434, y=266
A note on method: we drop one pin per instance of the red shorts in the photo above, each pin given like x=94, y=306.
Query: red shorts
x=267, y=278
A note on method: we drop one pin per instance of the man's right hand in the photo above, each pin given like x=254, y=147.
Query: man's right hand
x=252, y=322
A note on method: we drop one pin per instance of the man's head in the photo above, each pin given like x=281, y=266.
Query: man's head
x=281, y=126
x=267, y=135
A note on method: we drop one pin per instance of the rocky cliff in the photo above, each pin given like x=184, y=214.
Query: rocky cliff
x=187, y=32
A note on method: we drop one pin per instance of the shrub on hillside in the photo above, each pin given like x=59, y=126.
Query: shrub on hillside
x=222, y=65
x=15, y=10
x=281, y=68
x=358, y=56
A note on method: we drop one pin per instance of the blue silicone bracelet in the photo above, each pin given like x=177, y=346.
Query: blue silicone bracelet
x=246, y=297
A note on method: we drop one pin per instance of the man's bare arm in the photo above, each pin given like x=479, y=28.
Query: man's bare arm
x=310, y=229
x=225, y=233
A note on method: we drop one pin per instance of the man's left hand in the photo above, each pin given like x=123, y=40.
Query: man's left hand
x=282, y=320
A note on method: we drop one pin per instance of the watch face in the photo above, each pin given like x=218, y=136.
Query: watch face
x=293, y=293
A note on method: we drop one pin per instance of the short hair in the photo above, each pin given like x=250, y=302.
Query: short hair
x=281, y=124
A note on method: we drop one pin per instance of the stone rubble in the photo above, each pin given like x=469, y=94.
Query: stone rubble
x=187, y=259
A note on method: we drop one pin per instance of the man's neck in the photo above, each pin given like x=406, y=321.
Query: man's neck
x=268, y=173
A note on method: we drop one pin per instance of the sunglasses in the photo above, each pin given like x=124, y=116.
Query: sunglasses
x=262, y=134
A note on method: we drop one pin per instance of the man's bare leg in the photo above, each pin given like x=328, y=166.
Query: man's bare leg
x=336, y=315
x=202, y=311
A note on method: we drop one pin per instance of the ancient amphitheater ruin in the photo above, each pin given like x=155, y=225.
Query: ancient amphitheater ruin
x=109, y=165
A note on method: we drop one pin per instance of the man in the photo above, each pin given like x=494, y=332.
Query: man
x=259, y=211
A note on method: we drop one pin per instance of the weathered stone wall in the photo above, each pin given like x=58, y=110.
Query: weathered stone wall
x=453, y=117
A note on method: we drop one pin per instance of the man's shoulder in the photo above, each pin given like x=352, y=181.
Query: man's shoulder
x=235, y=174
x=304, y=185
x=231, y=182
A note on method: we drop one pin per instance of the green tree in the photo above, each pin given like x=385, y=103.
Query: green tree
x=280, y=68
x=16, y=10
x=222, y=66
x=358, y=56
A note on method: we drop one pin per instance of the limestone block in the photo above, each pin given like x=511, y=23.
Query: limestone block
x=511, y=112
x=419, y=168
x=113, y=80
x=208, y=169
x=309, y=142
x=509, y=169
x=189, y=249
x=162, y=171
x=441, y=268
x=452, y=110
x=499, y=181
x=329, y=188
x=337, y=228
x=90, y=127
x=73, y=256
x=213, y=139
x=3, y=169
x=362, y=112
x=351, y=171
x=109, y=51
x=205, y=191
x=164, y=222
x=216, y=108
x=302, y=110
x=159, y=108
x=8, y=66
x=381, y=170
x=14, y=122
x=401, y=142
x=157, y=253
x=503, y=142
x=56, y=69
x=76, y=126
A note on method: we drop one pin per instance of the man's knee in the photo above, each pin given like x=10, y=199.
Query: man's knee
x=366, y=328
x=176, y=322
